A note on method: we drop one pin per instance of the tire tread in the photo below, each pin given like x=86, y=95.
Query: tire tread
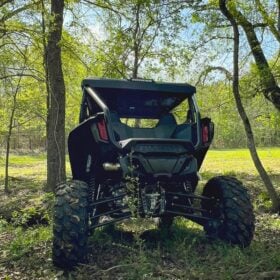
x=70, y=229
x=238, y=222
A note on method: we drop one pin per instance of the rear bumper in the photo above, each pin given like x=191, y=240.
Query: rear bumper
x=158, y=158
x=134, y=143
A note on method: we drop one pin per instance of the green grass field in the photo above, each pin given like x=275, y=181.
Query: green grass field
x=239, y=161
x=216, y=161
x=25, y=250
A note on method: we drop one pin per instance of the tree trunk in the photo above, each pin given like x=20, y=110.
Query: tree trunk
x=249, y=133
x=44, y=42
x=270, y=89
x=136, y=52
x=278, y=19
x=6, y=186
x=272, y=27
x=10, y=128
x=56, y=109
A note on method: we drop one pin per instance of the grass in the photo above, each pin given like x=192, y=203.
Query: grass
x=239, y=161
x=25, y=250
x=33, y=167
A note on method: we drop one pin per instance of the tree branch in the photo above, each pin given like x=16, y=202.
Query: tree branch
x=271, y=89
x=268, y=20
x=22, y=75
x=107, y=7
x=210, y=69
x=4, y=2
x=17, y=11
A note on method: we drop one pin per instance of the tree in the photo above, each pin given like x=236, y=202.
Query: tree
x=14, y=66
x=56, y=102
x=140, y=35
x=249, y=133
x=253, y=18
x=10, y=128
x=271, y=90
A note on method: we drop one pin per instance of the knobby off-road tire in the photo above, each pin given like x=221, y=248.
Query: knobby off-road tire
x=232, y=207
x=70, y=228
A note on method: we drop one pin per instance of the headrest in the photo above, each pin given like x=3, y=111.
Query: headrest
x=167, y=119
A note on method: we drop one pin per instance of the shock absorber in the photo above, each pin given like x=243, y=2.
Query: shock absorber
x=91, y=184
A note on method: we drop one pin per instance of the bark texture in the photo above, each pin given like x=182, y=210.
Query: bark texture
x=270, y=88
x=56, y=102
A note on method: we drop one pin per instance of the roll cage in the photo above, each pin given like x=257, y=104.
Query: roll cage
x=93, y=103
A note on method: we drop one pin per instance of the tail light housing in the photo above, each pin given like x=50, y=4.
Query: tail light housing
x=207, y=131
x=205, y=134
x=102, y=130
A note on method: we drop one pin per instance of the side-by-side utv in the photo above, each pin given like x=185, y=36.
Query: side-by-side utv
x=142, y=141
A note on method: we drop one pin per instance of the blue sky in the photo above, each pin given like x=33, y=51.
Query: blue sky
x=210, y=54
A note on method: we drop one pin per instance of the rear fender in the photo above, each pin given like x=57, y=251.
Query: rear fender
x=87, y=149
x=81, y=144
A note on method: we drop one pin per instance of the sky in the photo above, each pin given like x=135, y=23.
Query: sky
x=210, y=54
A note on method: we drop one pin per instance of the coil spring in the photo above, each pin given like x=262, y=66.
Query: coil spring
x=91, y=184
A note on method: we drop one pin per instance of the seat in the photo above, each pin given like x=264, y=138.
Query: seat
x=165, y=126
x=167, y=119
x=121, y=129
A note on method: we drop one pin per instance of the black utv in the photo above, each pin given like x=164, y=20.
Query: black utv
x=130, y=147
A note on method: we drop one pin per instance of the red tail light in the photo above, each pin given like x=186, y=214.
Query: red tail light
x=205, y=134
x=101, y=125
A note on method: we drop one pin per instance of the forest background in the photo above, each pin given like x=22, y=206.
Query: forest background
x=174, y=41
x=178, y=42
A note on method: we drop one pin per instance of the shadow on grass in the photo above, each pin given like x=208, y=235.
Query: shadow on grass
x=183, y=253
x=148, y=240
x=27, y=204
x=20, y=184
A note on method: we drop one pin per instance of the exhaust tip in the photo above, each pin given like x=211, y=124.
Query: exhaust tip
x=108, y=166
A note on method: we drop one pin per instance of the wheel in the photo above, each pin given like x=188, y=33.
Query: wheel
x=231, y=211
x=70, y=226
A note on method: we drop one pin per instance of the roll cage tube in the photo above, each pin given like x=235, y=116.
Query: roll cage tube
x=197, y=116
x=106, y=112
x=107, y=117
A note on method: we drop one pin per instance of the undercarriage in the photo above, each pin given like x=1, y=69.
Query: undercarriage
x=118, y=202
